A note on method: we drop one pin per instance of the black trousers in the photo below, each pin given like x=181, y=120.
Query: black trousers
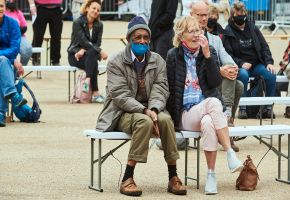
x=52, y=17
x=89, y=63
x=162, y=44
x=281, y=87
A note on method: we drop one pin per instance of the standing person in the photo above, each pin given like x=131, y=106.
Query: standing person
x=161, y=24
x=47, y=12
x=248, y=47
x=85, y=50
x=194, y=101
x=10, y=44
x=231, y=88
x=137, y=93
x=25, y=47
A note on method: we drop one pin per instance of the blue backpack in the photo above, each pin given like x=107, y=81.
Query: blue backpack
x=25, y=113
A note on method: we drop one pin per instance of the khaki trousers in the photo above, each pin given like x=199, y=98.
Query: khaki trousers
x=141, y=128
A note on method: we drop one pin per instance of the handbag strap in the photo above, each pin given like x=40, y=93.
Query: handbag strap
x=263, y=157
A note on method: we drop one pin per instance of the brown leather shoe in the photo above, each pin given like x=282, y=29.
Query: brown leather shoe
x=175, y=186
x=130, y=188
x=234, y=147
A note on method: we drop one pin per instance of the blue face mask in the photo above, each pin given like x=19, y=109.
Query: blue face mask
x=139, y=49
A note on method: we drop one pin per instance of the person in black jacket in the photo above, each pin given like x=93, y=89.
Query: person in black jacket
x=194, y=101
x=212, y=24
x=250, y=51
x=84, y=50
x=161, y=24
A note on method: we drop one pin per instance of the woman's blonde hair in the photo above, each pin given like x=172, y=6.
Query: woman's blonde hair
x=213, y=10
x=86, y=4
x=238, y=6
x=181, y=26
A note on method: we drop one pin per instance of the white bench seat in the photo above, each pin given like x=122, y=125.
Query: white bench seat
x=62, y=68
x=240, y=131
x=279, y=79
x=250, y=101
x=262, y=101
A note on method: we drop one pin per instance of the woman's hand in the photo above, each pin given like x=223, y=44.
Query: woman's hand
x=204, y=45
x=80, y=54
x=247, y=66
x=270, y=68
x=104, y=55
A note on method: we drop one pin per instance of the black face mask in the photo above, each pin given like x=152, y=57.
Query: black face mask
x=240, y=19
x=211, y=23
x=11, y=5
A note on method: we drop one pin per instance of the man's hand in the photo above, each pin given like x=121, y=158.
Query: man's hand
x=80, y=54
x=19, y=67
x=270, y=68
x=104, y=55
x=153, y=116
x=247, y=66
x=229, y=71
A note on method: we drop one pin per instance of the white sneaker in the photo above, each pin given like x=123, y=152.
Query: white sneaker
x=98, y=99
x=211, y=185
x=233, y=162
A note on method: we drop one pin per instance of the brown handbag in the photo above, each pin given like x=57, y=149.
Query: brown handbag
x=248, y=177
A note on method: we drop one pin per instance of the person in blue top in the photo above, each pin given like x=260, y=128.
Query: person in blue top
x=10, y=37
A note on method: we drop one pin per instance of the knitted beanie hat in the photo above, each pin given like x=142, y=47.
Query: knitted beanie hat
x=137, y=22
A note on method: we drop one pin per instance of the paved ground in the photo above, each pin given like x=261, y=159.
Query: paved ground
x=50, y=160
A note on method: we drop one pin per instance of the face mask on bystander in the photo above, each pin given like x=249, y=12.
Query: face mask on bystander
x=240, y=19
x=139, y=49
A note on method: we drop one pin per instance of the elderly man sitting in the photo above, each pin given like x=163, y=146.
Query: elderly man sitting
x=137, y=91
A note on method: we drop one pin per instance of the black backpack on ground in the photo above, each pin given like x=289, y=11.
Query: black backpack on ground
x=257, y=89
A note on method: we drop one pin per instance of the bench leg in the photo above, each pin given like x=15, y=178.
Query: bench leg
x=197, y=163
x=186, y=161
x=279, y=162
x=99, y=189
x=69, y=86
x=100, y=161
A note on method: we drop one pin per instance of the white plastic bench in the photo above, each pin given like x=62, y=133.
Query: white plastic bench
x=234, y=131
x=69, y=69
x=262, y=101
x=279, y=79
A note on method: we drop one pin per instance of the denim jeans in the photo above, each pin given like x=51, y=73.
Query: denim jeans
x=7, y=83
x=25, y=51
x=259, y=69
